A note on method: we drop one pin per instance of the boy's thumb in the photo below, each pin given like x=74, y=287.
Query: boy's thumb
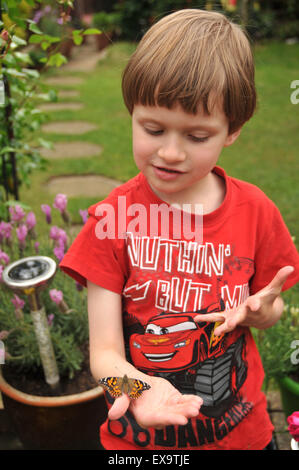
x=119, y=407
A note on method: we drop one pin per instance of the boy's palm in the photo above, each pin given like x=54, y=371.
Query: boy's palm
x=160, y=406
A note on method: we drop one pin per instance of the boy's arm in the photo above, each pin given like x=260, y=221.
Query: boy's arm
x=159, y=406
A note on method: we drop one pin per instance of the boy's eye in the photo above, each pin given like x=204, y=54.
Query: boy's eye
x=198, y=139
x=153, y=131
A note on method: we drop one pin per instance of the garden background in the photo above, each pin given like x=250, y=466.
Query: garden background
x=66, y=130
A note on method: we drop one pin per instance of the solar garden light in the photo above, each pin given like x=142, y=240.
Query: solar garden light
x=29, y=276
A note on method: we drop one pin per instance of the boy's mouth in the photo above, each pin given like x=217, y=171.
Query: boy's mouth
x=168, y=170
x=167, y=174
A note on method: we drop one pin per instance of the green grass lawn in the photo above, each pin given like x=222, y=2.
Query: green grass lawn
x=266, y=154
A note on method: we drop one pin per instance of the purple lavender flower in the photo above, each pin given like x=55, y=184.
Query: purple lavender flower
x=31, y=223
x=84, y=215
x=54, y=232
x=58, y=251
x=47, y=211
x=57, y=297
x=79, y=286
x=16, y=213
x=4, y=258
x=22, y=232
x=17, y=302
x=58, y=235
x=60, y=203
x=50, y=319
x=5, y=231
x=36, y=247
x=38, y=15
x=30, y=220
x=18, y=305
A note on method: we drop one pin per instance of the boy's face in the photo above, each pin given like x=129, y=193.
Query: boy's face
x=176, y=151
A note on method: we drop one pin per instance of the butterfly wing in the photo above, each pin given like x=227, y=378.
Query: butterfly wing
x=113, y=385
x=136, y=387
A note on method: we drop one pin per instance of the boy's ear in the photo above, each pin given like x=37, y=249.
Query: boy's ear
x=231, y=138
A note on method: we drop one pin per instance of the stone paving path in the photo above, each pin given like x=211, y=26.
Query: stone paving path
x=69, y=127
x=84, y=60
x=85, y=185
x=72, y=150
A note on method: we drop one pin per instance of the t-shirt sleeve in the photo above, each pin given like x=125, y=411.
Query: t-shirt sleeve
x=275, y=250
x=94, y=259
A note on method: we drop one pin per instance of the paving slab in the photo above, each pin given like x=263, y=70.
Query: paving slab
x=71, y=150
x=85, y=62
x=82, y=185
x=64, y=81
x=68, y=127
x=68, y=94
x=48, y=107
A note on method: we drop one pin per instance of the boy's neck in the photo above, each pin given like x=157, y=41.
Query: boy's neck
x=210, y=192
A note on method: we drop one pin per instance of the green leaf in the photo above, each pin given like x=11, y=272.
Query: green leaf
x=45, y=143
x=45, y=45
x=51, y=39
x=23, y=56
x=19, y=41
x=34, y=28
x=7, y=149
x=92, y=31
x=56, y=60
x=31, y=73
x=77, y=37
x=14, y=73
x=35, y=39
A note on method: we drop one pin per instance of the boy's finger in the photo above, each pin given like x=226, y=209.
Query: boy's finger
x=119, y=407
x=210, y=317
x=280, y=277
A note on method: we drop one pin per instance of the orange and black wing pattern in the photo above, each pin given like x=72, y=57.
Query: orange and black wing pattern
x=136, y=387
x=116, y=386
x=113, y=385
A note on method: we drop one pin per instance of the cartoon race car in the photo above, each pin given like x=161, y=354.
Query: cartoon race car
x=170, y=343
x=175, y=347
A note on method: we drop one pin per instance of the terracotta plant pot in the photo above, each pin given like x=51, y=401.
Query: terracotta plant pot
x=289, y=391
x=55, y=423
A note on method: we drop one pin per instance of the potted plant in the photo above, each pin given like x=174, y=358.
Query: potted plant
x=108, y=23
x=68, y=415
x=279, y=349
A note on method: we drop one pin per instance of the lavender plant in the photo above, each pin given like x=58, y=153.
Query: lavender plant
x=64, y=301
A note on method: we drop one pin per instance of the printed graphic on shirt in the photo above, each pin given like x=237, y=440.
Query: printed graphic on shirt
x=180, y=276
x=181, y=279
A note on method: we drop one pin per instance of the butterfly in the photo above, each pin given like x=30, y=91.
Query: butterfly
x=116, y=386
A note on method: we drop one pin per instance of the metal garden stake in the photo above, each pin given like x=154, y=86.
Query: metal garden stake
x=29, y=276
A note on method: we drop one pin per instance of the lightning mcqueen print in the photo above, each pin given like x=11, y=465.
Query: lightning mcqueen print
x=170, y=343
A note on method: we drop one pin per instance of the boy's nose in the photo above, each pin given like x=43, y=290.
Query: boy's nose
x=171, y=151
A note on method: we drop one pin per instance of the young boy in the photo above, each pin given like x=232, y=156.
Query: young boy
x=172, y=310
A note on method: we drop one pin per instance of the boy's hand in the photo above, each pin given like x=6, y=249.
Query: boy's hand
x=260, y=310
x=160, y=406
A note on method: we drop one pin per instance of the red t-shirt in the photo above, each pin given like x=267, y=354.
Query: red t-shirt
x=165, y=277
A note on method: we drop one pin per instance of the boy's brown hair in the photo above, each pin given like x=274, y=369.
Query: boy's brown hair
x=193, y=57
